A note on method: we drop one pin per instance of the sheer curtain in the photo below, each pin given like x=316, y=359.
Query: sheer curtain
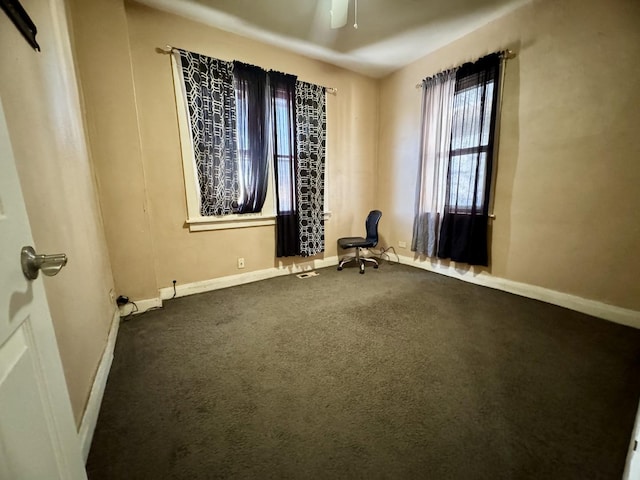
x=463, y=237
x=435, y=141
x=283, y=108
x=310, y=130
x=209, y=92
x=253, y=115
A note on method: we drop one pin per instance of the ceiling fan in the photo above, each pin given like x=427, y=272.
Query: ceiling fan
x=339, y=13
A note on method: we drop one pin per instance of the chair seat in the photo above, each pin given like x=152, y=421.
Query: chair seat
x=352, y=242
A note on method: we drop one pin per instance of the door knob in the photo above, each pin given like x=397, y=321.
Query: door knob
x=32, y=263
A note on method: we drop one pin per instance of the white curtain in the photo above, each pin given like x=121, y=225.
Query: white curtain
x=435, y=144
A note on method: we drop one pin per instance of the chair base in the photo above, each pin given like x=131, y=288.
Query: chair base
x=361, y=261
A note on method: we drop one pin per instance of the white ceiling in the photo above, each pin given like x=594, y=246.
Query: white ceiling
x=390, y=34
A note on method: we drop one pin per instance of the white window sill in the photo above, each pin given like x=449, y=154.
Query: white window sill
x=200, y=224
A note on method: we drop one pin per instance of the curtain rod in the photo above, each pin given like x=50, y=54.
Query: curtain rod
x=505, y=54
x=169, y=49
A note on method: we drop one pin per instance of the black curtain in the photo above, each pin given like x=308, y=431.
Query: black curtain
x=463, y=235
x=253, y=140
x=283, y=108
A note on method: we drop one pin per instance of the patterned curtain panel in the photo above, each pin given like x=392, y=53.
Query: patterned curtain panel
x=210, y=98
x=311, y=125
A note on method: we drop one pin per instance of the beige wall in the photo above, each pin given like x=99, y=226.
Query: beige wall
x=566, y=196
x=351, y=119
x=104, y=68
x=567, y=193
x=41, y=104
x=141, y=180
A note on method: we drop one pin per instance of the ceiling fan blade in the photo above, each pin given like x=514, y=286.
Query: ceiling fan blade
x=339, y=10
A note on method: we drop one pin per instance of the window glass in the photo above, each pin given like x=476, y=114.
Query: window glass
x=284, y=154
x=469, y=143
x=242, y=138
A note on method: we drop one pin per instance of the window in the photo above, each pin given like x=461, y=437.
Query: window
x=470, y=145
x=459, y=114
x=238, y=159
x=284, y=151
x=242, y=141
x=225, y=187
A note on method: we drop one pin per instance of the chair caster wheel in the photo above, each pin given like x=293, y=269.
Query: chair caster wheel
x=339, y=268
x=362, y=271
x=375, y=266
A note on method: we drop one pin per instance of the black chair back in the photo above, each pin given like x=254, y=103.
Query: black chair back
x=372, y=226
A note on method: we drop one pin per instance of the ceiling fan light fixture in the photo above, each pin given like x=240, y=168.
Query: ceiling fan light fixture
x=339, y=10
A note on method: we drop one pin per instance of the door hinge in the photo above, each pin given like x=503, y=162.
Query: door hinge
x=635, y=445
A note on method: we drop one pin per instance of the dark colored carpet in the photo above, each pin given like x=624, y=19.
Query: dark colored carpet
x=398, y=373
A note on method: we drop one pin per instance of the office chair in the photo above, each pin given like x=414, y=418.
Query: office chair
x=358, y=242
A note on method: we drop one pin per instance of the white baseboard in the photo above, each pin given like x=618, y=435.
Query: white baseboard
x=612, y=313
x=143, y=306
x=90, y=416
x=242, y=278
x=602, y=310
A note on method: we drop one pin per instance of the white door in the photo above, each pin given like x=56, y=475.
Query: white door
x=38, y=438
x=632, y=468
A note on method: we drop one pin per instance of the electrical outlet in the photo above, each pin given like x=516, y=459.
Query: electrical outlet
x=402, y=244
x=240, y=262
